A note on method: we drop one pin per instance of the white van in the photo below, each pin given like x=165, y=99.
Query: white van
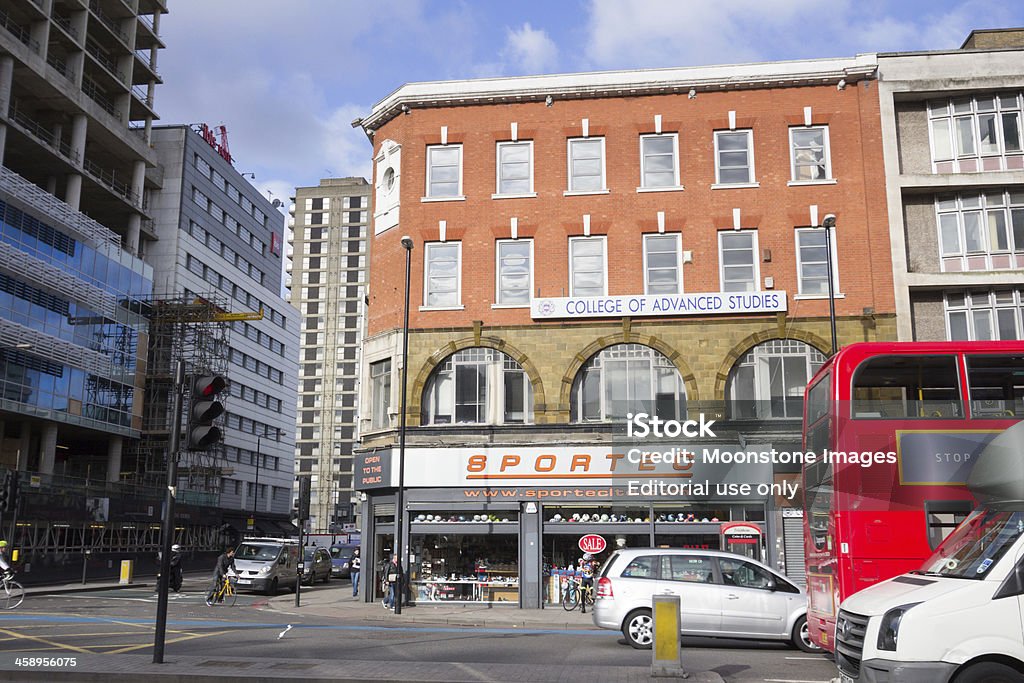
x=267, y=564
x=960, y=618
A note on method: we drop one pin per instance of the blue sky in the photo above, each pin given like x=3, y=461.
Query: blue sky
x=288, y=76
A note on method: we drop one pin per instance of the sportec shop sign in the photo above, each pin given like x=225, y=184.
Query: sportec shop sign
x=712, y=303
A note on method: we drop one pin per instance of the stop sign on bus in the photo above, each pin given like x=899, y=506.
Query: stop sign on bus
x=592, y=543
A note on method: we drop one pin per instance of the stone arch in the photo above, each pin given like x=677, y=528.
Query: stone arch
x=601, y=343
x=737, y=351
x=415, y=406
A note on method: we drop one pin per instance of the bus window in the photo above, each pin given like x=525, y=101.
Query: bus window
x=907, y=387
x=943, y=516
x=996, y=384
x=818, y=399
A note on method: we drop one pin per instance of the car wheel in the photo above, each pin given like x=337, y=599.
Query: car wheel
x=272, y=590
x=988, y=672
x=802, y=636
x=327, y=577
x=639, y=629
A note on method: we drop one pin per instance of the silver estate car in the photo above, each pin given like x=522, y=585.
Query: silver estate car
x=720, y=594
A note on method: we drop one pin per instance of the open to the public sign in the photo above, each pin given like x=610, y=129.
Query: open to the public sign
x=592, y=543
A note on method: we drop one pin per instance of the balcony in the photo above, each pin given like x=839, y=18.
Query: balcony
x=97, y=95
x=110, y=23
x=109, y=180
x=20, y=32
x=102, y=58
x=41, y=133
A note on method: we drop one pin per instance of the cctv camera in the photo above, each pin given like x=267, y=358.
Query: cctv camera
x=407, y=242
x=829, y=221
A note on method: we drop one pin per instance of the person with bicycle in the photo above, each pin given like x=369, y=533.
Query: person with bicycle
x=588, y=569
x=4, y=564
x=225, y=563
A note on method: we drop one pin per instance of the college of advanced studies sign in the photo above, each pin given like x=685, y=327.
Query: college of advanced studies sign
x=711, y=303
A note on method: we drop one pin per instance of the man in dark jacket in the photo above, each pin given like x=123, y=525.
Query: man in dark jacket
x=354, y=565
x=225, y=562
x=393, y=575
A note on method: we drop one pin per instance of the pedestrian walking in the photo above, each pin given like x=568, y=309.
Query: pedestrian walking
x=354, y=566
x=393, y=575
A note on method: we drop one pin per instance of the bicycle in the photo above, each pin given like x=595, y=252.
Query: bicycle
x=11, y=592
x=224, y=593
x=576, y=593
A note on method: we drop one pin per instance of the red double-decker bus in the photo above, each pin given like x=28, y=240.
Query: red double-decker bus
x=894, y=428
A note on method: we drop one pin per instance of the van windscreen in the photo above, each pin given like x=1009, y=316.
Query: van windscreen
x=259, y=553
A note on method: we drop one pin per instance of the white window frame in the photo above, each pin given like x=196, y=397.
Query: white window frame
x=493, y=363
x=604, y=166
x=498, y=194
x=1011, y=206
x=752, y=176
x=675, y=164
x=992, y=307
x=380, y=394
x=497, y=274
x=959, y=161
x=827, y=153
x=427, y=248
x=835, y=264
x=603, y=239
x=755, y=257
x=679, y=260
x=427, y=197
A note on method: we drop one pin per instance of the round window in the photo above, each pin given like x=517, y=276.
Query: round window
x=389, y=179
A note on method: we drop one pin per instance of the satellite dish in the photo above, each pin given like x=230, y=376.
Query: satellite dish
x=276, y=203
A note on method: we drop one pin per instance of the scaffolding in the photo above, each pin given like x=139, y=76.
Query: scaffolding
x=193, y=329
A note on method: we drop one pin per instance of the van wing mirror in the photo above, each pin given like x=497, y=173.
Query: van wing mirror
x=1013, y=584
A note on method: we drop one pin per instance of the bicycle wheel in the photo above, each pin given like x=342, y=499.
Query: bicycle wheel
x=12, y=594
x=571, y=599
x=230, y=595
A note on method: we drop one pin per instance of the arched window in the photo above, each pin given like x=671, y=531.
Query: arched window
x=769, y=380
x=478, y=386
x=627, y=378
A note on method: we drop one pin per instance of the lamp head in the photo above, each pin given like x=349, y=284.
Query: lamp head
x=407, y=242
x=829, y=221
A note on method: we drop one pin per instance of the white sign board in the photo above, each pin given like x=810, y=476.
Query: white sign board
x=711, y=303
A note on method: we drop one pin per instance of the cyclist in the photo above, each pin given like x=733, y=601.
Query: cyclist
x=588, y=568
x=4, y=564
x=225, y=562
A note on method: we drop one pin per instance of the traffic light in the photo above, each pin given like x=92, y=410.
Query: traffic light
x=304, y=486
x=9, y=492
x=202, y=435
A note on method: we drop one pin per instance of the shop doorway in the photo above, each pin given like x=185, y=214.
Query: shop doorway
x=384, y=548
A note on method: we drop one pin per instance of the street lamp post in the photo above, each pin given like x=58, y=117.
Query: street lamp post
x=256, y=486
x=399, y=547
x=829, y=224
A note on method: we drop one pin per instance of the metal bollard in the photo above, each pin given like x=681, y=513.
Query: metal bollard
x=666, y=656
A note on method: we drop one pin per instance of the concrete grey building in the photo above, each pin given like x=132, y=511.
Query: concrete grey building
x=954, y=161
x=219, y=236
x=328, y=240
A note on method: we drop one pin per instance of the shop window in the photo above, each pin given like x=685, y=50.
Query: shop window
x=463, y=517
x=687, y=514
x=600, y=514
x=768, y=382
x=627, y=378
x=478, y=386
x=464, y=568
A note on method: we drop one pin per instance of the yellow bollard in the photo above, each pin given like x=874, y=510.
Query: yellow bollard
x=126, y=572
x=666, y=657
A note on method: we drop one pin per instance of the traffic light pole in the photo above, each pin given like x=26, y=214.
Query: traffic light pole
x=167, y=532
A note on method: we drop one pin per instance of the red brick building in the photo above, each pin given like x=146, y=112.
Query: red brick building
x=587, y=246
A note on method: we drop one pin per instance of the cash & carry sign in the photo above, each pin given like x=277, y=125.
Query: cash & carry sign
x=712, y=303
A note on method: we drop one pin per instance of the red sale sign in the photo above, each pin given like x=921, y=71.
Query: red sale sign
x=592, y=543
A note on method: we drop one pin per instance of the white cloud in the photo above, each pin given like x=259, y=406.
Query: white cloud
x=529, y=50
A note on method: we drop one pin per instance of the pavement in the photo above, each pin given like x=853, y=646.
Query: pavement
x=335, y=604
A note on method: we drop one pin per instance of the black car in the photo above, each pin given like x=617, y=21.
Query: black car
x=317, y=565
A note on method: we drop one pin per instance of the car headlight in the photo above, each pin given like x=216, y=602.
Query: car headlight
x=264, y=570
x=889, y=631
